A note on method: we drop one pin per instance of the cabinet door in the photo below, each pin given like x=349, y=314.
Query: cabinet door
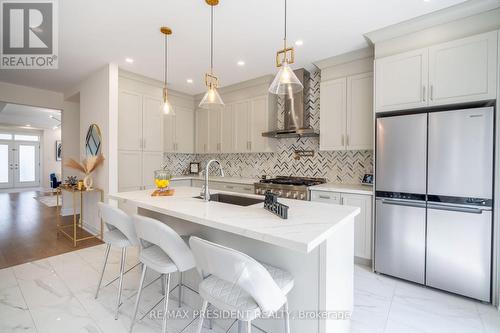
x=169, y=132
x=463, y=70
x=129, y=121
x=227, y=129
x=259, y=123
x=241, y=127
x=332, y=114
x=151, y=161
x=201, y=131
x=214, y=131
x=401, y=81
x=129, y=170
x=360, y=112
x=152, y=124
x=325, y=196
x=362, y=223
x=184, y=130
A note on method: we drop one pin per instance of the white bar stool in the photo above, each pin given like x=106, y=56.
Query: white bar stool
x=233, y=281
x=121, y=233
x=162, y=250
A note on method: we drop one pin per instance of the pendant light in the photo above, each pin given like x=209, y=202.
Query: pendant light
x=285, y=82
x=166, y=106
x=212, y=99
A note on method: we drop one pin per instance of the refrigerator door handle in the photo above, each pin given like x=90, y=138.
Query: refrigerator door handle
x=459, y=209
x=407, y=203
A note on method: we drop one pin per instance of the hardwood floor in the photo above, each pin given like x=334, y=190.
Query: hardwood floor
x=28, y=230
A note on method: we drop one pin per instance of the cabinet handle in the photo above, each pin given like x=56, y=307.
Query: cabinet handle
x=342, y=140
x=423, y=93
x=347, y=140
x=324, y=196
x=204, y=147
x=432, y=92
x=249, y=145
x=229, y=187
x=144, y=143
x=341, y=200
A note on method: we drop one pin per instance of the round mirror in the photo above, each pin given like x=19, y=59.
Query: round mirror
x=93, y=141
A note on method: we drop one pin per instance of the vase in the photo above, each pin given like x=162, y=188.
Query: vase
x=88, y=182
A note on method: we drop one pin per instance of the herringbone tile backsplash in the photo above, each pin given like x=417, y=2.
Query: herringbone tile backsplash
x=337, y=166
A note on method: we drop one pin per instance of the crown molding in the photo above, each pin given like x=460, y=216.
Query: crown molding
x=462, y=10
x=359, y=54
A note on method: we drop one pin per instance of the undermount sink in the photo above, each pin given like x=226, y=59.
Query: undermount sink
x=233, y=199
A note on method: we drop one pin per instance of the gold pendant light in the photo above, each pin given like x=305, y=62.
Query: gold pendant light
x=285, y=82
x=212, y=99
x=166, y=106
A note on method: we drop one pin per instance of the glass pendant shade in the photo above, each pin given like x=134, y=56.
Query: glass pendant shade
x=211, y=100
x=285, y=82
x=167, y=108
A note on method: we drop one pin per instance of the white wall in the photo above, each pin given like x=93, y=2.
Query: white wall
x=99, y=105
x=48, y=156
x=70, y=137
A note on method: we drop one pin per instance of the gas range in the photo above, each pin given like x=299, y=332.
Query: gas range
x=288, y=187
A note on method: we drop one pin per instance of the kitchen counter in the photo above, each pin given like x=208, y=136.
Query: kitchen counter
x=308, y=224
x=234, y=180
x=344, y=188
x=315, y=244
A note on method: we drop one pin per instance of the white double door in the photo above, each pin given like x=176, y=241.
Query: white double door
x=19, y=164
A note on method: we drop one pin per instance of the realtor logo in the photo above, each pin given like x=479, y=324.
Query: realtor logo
x=29, y=34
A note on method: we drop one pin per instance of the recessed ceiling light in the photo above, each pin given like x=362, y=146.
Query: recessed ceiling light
x=241, y=63
x=28, y=125
x=189, y=80
x=129, y=60
x=299, y=42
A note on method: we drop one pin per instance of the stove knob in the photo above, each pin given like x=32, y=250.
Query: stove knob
x=302, y=196
x=258, y=191
x=295, y=195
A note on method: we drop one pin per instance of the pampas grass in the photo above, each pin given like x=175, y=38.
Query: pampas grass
x=88, y=165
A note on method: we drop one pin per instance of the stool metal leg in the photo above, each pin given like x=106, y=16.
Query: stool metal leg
x=180, y=289
x=287, y=318
x=163, y=290
x=120, y=285
x=108, y=247
x=249, y=326
x=202, y=316
x=139, y=292
x=165, y=309
x=240, y=326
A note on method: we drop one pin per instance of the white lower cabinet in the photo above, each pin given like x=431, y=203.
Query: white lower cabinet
x=180, y=183
x=362, y=222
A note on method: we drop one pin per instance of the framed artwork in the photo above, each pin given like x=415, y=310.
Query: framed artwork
x=58, y=150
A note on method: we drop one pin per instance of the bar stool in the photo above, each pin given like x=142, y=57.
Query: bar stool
x=162, y=250
x=121, y=233
x=233, y=281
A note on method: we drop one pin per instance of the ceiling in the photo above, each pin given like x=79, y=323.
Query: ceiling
x=95, y=32
x=22, y=115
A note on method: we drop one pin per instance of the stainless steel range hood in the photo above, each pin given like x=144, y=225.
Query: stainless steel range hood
x=296, y=121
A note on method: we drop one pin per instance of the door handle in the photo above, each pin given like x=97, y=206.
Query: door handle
x=459, y=209
x=404, y=203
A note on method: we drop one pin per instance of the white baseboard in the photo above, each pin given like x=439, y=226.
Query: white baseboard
x=90, y=228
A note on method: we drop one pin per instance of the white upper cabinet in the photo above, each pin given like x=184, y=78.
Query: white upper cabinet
x=214, y=133
x=346, y=113
x=259, y=123
x=332, y=114
x=184, y=130
x=463, y=70
x=152, y=124
x=179, y=131
x=129, y=121
x=202, y=131
x=459, y=71
x=359, y=112
x=241, y=126
x=227, y=129
x=401, y=81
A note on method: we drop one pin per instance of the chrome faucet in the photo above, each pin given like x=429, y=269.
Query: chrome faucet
x=205, y=192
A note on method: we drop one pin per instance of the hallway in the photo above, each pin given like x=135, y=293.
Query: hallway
x=28, y=230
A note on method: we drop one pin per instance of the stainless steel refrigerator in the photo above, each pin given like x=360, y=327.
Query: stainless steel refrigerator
x=434, y=197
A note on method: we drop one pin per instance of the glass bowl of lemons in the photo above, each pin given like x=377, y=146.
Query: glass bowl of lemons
x=162, y=179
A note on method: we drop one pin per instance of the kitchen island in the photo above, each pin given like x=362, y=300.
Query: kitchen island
x=315, y=244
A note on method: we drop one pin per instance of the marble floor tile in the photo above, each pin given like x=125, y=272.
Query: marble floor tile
x=7, y=278
x=14, y=313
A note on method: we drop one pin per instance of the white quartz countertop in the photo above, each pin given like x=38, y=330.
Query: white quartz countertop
x=344, y=188
x=233, y=180
x=308, y=224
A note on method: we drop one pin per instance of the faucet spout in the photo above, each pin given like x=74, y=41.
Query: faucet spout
x=205, y=192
